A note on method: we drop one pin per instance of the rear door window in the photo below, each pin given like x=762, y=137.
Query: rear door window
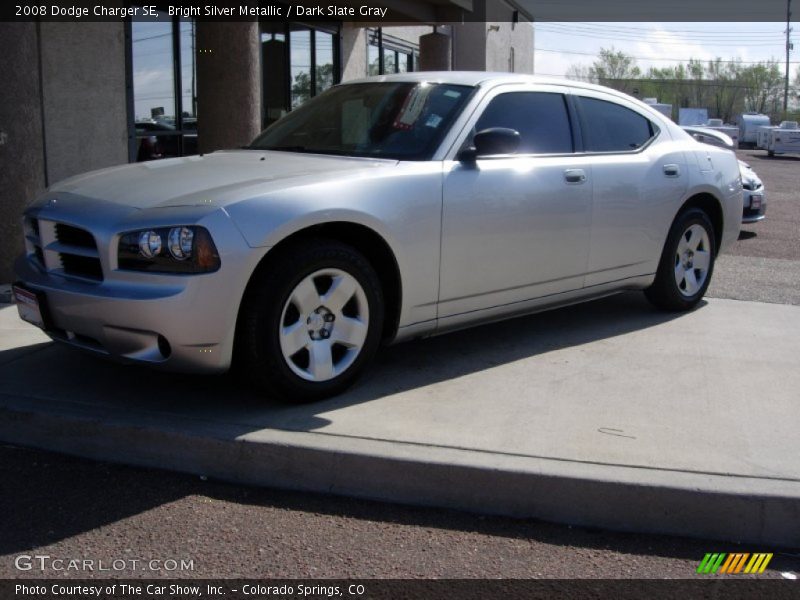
x=541, y=118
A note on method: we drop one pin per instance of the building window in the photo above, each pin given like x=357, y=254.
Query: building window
x=389, y=54
x=163, y=87
x=298, y=62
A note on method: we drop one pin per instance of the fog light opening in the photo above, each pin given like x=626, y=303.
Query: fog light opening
x=164, y=347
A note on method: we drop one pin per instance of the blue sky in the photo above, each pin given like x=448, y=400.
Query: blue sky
x=559, y=45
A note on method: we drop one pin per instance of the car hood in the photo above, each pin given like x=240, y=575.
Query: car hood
x=217, y=179
x=747, y=173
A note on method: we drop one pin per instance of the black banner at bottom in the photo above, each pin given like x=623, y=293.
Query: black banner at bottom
x=370, y=589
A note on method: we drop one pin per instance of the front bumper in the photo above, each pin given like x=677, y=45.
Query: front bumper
x=753, y=215
x=176, y=322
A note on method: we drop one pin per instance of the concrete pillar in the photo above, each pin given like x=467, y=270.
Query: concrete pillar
x=228, y=84
x=85, y=115
x=435, y=52
x=354, y=51
x=21, y=141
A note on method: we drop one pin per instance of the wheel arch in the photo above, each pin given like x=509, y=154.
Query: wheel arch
x=368, y=242
x=711, y=205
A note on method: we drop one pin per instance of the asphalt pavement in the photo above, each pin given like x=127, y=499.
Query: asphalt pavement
x=764, y=265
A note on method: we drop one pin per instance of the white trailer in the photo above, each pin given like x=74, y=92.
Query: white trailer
x=784, y=139
x=762, y=136
x=730, y=130
x=692, y=116
x=748, y=127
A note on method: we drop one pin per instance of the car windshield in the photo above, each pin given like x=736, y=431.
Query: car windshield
x=399, y=120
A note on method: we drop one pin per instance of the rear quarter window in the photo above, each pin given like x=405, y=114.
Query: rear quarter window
x=610, y=127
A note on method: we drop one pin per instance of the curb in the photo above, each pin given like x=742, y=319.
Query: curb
x=693, y=505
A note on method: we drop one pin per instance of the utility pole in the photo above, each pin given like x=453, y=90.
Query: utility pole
x=788, y=49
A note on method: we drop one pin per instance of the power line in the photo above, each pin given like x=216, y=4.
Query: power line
x=645, y=58
x=640, y=32
x=731, y=42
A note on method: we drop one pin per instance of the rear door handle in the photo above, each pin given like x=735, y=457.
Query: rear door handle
x=672, y=170
x=575, y=176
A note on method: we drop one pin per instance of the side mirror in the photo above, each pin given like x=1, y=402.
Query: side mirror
x=496, y=140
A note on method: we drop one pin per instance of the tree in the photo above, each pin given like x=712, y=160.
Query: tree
x=763, y=86
x=725, y=88
x=581, y=73
x=614, y=69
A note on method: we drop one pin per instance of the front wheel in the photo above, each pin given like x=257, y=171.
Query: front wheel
x=311, y=321
x=687, y=262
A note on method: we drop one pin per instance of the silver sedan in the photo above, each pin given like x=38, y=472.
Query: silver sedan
x=382, y=210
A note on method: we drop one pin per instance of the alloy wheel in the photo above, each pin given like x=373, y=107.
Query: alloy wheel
x=324, y=325
x=692, y=260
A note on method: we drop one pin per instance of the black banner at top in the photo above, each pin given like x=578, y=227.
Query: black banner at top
x=388, y=12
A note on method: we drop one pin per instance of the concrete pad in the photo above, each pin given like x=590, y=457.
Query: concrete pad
x=608, y=414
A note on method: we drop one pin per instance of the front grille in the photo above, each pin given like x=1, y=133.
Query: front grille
x=81, y=266
x=62, y=249
x=74, y=236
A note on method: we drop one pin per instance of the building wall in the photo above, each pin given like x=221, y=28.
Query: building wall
x=354, y=46
x=85, y=110
x=503, y=36
x=469, y=46
x=21, y=142
x=408, y=33
x=71, y=119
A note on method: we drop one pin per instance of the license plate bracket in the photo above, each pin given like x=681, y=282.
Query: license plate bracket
x=31, y=305
x=755, y=201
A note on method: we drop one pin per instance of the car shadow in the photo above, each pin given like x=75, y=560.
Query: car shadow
x=74, y=377
x=778, y=157
x=746, y=235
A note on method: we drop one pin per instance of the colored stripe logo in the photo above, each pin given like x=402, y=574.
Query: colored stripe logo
x=737, y=562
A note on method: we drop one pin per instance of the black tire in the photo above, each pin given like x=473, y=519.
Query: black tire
x=258, y=350
x=665, y=292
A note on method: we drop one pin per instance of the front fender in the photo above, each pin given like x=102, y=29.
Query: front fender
x=403, y=206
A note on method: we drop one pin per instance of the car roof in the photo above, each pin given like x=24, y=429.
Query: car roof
x=477, y=78
x=491, y=79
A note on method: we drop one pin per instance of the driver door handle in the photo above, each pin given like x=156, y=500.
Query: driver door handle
x=575, y=176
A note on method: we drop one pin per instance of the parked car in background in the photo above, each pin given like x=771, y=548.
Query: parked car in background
x=754, y=206
x=382, y=210
x=160, y=139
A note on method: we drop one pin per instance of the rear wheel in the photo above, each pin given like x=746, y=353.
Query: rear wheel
x=311, y=321
x=687, y=263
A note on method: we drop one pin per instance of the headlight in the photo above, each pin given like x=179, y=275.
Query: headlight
x=180, y=242
x=182, y=249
